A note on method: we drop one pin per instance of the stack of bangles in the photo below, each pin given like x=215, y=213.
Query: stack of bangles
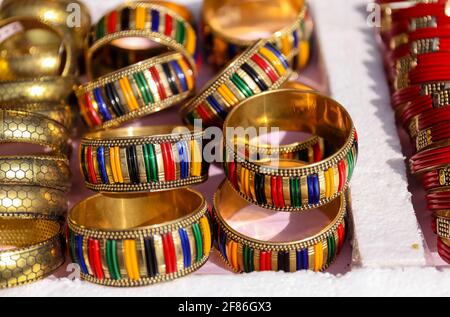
x=416, y=40
x=297, y=188
x=38, y=69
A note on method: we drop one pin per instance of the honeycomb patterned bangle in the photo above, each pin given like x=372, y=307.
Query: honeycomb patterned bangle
x=139, y=240
x=291, y=184
x=30, y=250
x=42, y=170
x=44, y=89
x=245, y=254
x=225, y=39
x=135, y=91
x=63, y=54
x=153, y=21
x=55, y=13
x=32, y=128
x=32, y=202
x=143, y=159
x=443, y=224
x=260, y=68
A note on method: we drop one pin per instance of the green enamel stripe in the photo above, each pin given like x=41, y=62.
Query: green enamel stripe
x=72, y=242
x=295, y=191
x=240, y=84
x=140, y=84
x=190, y=117
x=111, y=258
x=146, y=87
x=244, y=258
x=251, y=264
x=180, y=33
x=151, y=167
x=198, y=241
x=100, y=30
x=350, y=165
x=331, y=249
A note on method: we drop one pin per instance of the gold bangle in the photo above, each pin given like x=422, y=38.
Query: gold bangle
x=140, y=239
x=156, y=22
x=291, y=185
x=42, y=170
x=45, y=89
x=243, y=253
x=143, y=159
x=261, y=67
x=26, y=127
x=22, y=59
x=60, y=112
x=32, y=202
x=230, y=26
x=31, y=249
x=54, y=12
x=136, y=91
x=443, y=223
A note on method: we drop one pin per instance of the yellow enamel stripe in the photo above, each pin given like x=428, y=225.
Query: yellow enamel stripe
x=112, y=159
x=128, y=93
x=251, y=181
x=95, y=164
x=196, y=159
x=304, y=53
x=206, y=235
x=246, y=182
x=240, y=257
x=286, y=46
x=273, y=59
x=331, y=186
x=191, y=38
x=226, y=93
x=131, y=261
x=118, y=165
x=187, y=72
x=232, y=249
x=140, y=18
x=242, y=180
x=318, y=257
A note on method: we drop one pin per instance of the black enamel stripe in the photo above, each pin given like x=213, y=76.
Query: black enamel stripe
x=170, y=79
x=254, y=75
x=125, y=19
x=114, y=100
x=150, y=257
x=133, y=168
x=283, y=261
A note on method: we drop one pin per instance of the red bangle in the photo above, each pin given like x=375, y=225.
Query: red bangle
x=432, y=117
x=437, y=135
x=438, y=200
x=430, y=159
x=411, y=109
x=436, y=178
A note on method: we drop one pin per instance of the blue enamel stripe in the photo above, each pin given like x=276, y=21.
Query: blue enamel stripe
x=302, y=260
x=223, y=241
x=295, y=35
x=213, y=102
x=155, y=20
x=232, y=50
x=102, y=108
x=80, y=254
x=102, y=165
x=184, y=159
x=313, y=189
x=186, y=247
x=181, y=76
x=280, y=56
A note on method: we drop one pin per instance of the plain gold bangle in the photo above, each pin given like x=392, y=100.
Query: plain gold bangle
x=30, y=250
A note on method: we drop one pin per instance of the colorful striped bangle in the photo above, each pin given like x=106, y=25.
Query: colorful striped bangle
x=32, y=202
x=157, y=22
x=47, y=171
x=293, y=40
x=143, y=159
x=245, y=254
x=296, y=184
x=258, y=69
x=146, y=239
x=135, y=91
x=33, y=250
x=32, y=128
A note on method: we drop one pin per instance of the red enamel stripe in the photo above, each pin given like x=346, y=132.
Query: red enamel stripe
x=90, y=165
x=265, y=261
x=342, y=175
x=317, y=152
x=93, y=115
x=265, y=67
x=169, y=25
x=232, y=174
x=203, y=113
x=341, y=236
x=169, y=164
x=431, y=180
x=169, y=253
x=157, y=79
x=280, y=196
x=95, y=258
x=112, y=22
x=273, y=188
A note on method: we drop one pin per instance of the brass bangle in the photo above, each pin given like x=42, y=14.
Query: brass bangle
x=145, y=20
x=443, y=223
x=32, y=202
x=26, y=127
x=261, y=67
x=53, y=12
x=139, y=240
x=291, y=185
x=227, y=32
x=143, y=159
x=45, y=89
x=44, y=171
x=19, y=60
x=60, y=112
x=136, y=91
x=30, y=250
x=243, y=253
